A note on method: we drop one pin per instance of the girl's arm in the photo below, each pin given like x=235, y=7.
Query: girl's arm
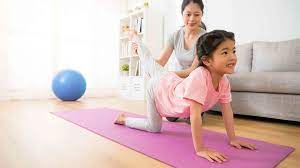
x=229, y=125
x=196, y=123
x=186, y=72
x=228, y=120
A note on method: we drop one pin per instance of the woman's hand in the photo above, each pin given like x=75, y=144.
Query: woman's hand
x=239, y=144
x=212, y=155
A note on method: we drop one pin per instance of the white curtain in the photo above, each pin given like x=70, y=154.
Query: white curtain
x=38, y=38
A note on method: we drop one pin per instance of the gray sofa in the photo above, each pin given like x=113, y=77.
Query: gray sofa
x=267, y=80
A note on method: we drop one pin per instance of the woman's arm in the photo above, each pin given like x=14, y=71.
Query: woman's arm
x=186, y=72
x=164, y=56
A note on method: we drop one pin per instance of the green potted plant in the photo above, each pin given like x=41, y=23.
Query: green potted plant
x=125, y=69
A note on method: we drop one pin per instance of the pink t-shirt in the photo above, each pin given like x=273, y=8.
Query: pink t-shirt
x=173, y=93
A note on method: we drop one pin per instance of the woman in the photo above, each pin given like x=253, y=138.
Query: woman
x=183, y=41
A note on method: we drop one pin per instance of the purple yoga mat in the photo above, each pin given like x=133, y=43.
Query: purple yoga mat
x=173, y=145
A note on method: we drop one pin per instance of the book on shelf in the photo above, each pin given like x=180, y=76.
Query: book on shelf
x=138, y=24
x=137, y=68
x=124, y=49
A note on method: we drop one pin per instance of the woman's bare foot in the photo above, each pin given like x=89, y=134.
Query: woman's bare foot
x=120, y=119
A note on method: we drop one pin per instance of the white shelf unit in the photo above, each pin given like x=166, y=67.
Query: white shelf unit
x=147, y=23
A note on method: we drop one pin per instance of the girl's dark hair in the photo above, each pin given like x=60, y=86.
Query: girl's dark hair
x=201, y=5
x=208, y=43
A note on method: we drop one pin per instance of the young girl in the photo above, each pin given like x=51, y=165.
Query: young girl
x=168, y=95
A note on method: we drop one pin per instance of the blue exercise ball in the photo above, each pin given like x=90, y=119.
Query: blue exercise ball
x=68, y=85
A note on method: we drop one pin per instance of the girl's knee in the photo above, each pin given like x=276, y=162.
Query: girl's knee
x=156, y=129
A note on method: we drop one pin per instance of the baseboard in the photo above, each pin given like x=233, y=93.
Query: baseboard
x=30, y=94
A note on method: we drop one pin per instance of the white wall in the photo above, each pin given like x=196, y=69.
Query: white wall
x=40, y=38
x=250, y=20
x=3, y=44
x=219, y=14
x=267, y=20
x=172, y=17
x=87, y=39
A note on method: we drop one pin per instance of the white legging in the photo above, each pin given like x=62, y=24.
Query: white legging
x=153, y=70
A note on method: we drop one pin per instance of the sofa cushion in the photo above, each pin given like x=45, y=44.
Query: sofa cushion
x=244, y=55
x=276, y=56
x=266, y=82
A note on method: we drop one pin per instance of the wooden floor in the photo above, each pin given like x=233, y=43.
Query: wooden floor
x=31, y=137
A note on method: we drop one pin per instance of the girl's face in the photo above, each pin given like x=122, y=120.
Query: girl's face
x=223, y=60
x=192, y=15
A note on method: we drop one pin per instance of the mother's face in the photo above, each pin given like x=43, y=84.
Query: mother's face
x=192, y=15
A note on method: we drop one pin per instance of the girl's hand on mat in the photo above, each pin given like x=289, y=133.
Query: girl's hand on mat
x=240, y=144
x=212, y=155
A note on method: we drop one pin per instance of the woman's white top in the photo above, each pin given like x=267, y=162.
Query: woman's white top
x=183, y=57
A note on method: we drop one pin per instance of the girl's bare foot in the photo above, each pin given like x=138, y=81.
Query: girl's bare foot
x=132, y=34
x=120, y=119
